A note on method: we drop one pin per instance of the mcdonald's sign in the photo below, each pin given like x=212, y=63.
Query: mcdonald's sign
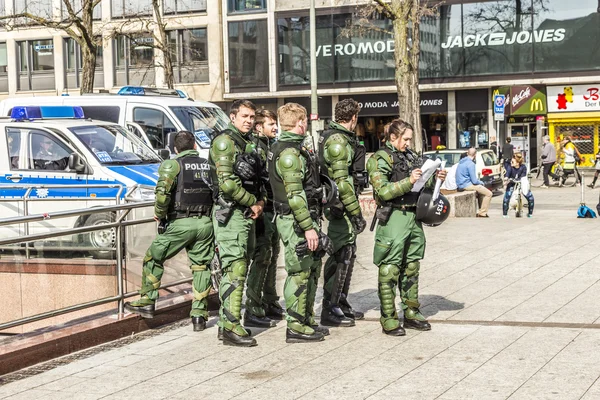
x=537, y=106
x=523, y=100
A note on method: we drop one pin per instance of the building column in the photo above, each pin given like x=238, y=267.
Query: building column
x=492, y=124
x=451, y=139
x=59, y=64
x=273, y=50
x=109, y=64
x=12, y=67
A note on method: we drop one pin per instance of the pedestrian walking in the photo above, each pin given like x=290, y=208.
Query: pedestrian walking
x=399, y=240
x=548, y=161
x=597, y=168
x=240, y=201
x=340, y=157
x=262, y=301
x=466, y=179
x=183, y=205
x=297, y=200
x=516, y=172
x=571, y=157
x=507, y=153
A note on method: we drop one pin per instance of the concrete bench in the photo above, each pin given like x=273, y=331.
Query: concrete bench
x=462, y=204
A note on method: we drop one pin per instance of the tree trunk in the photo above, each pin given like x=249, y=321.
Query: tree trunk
x=415, y=52
x=407, y=68
x=167, y=67
x=88, y=69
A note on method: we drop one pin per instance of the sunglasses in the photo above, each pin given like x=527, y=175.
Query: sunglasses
x=46, y=142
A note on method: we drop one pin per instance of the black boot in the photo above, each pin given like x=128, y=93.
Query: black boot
x=145, y=311
x=274, y=311
x=321, y=329
x=199, y=324
x=297, y=337
x=591, y=185
x=333, y=316
x=417, y=325
x=399, y=331
x=257, y=322
x=233, y=339
x=348, y=311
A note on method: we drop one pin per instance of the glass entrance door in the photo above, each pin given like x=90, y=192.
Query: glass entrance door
x=519, y=134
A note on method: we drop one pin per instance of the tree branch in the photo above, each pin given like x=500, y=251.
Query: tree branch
x=386, y=9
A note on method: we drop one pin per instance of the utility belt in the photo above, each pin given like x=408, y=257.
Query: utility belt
x=203, y=211
x=225, y=210
x=384, y=213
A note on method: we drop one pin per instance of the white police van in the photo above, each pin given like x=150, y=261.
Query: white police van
x=152, y=114
x=53, y=159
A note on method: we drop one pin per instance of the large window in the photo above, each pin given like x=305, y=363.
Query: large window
x=74, y=63
x=125, y=8
x=78, y=9
x=247, y=5
x=189, y=52
x=3, y=68
x=472, y=130
x=184, y=6
x=248, y=55
x=41, y=8
x=134, y=60
x=36, y=65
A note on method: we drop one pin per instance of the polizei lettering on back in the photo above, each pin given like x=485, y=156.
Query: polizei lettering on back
x=196, y=167
x=502, y=38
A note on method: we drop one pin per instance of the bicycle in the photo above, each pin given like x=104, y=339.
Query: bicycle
x=518, y=205
x=536, y=176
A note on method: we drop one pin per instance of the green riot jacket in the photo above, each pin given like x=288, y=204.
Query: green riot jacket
x=337, y=157
x=288, y=177
x=381, y=168
x=224, y=150
x=167, y=181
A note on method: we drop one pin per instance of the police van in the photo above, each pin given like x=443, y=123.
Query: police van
x=54, y=159
x=153, y=115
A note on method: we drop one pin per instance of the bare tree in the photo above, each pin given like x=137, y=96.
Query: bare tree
x=77, y=23
x=405, y=17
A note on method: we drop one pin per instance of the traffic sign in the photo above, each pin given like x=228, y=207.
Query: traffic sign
x=499, y=100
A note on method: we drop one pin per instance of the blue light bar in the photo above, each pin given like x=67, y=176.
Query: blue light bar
x=132, y=91
x=28, y=113
x=181, y=94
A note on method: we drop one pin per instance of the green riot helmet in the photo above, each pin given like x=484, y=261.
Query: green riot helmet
x=330, y=191
x=432, y=212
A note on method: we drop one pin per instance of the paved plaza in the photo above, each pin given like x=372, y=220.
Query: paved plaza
x=513, y=304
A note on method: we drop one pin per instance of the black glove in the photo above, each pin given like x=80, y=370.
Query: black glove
x=358, y=223
x=302, y=248
x=325, y=245
x=245, y=167
x=162, y=226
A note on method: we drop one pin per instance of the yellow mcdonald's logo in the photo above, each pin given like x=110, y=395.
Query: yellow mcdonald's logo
x=537, y=105
x=496, y=92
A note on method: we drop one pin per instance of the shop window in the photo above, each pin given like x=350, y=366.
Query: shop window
x=77, y=6
x=248, y=54
x=36, y=65
x=3, y=68
x=74, y=62
x=125, y=8
x=189, y=52
x=184, y=6
x=134, y=60
x=156, y=125
x=247, y=5
x=472, y=130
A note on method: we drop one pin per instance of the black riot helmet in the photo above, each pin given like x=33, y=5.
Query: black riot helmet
x=330, y=191
x=432, y=212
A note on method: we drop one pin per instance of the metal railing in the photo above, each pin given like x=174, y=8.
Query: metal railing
x=121, y=211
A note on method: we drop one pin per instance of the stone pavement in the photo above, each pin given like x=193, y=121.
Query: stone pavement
x=513, y=303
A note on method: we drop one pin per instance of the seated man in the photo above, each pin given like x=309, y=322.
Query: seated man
x=466, y=179
x=45, y=158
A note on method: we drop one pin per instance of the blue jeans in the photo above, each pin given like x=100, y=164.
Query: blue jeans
x=506, y=202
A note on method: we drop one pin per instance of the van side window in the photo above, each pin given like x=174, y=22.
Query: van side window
x=156, y=125
x=47, y=153
x=102, y=113
x=13, y=138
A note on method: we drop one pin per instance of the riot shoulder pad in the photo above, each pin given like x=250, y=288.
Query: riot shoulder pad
x=169, y=168
x=336, y=149
x=222, y=145
x=289, y=160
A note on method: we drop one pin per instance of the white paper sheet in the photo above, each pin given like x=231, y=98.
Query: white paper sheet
x=428, y=168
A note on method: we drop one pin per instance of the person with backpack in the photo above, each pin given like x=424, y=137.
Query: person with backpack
x=571, y=157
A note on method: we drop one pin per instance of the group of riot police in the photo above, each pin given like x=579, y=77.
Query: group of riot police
x=259, y=188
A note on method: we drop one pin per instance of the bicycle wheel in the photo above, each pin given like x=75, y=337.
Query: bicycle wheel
x=536, y=177
x=570, y=179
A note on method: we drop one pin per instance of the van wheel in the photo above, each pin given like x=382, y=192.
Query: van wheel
x=103, y=239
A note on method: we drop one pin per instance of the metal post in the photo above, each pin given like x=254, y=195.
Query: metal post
x=314, y=101
x=119, y=238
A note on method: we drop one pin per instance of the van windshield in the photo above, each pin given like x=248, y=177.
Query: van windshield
x=113, y=145
x=204, y=122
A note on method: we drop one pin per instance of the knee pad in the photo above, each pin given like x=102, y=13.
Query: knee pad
x=239, y=268
x=412, y=268
x=388, y=272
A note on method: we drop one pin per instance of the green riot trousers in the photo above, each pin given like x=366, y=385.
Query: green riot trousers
x=195, y=234
x=399, y=245
x=341, y=233
x=236, y=243
x=301, y=284
x=260, y=288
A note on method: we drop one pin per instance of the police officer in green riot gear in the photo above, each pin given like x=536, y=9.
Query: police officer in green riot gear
x=262, y=302
x=297, y=200
x=339, y=154
x=240, y=199
x=184, y=202
x=399, y=240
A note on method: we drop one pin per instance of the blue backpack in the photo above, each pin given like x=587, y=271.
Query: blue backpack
x=586, y=212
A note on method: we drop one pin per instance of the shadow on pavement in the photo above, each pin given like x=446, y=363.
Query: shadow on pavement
x=431, y=304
